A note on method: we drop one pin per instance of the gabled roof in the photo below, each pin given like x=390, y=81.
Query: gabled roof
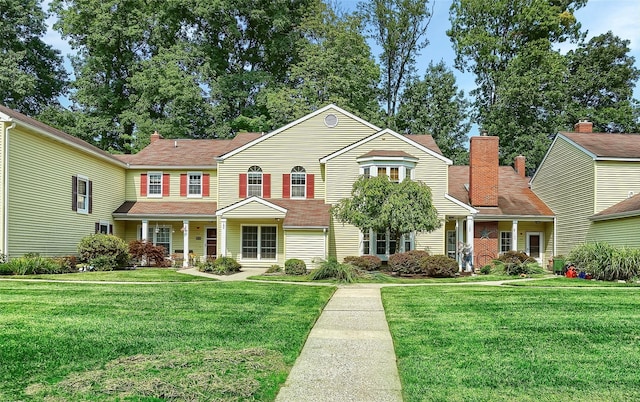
x=623, y=209
x=175, y=209
x=234, y=151
x=298, y=213
x=515, y=198
x=607, y=146
x=55, y=134
x=186, y=152
x=432, y=148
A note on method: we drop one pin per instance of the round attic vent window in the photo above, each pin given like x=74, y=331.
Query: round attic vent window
x=331, y=120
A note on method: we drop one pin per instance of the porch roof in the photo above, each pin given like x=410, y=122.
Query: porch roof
x=623, y=209
x=298, y=214
x=176, y=210
x=515, y=198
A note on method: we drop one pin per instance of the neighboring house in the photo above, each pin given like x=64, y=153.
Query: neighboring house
x=261, y=198
x=591, y=181
x=507, y=215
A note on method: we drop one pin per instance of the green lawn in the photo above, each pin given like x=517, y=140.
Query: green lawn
x=561, y=281
x=137, y=275
x=192, y=341
x=516, y=344
x=384, y=278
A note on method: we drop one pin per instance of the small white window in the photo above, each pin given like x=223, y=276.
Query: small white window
x=194, y=185
x=505, y=242
x=254, y=182
x=83, y=195
x=298, y=182
x=154, y=184
x=103, y=227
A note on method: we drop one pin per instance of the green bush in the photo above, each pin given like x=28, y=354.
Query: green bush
x=439, y=266
x=528, y=268
x=606, y=262
x=486, y=270
x=31, y=264
x=67, y=264
x=332, y=269
x=295, y=266
x=407, y=263
x=103, y=263
x=6, y=269
x=104, y=245
x=219, y=266
x=274, y=269
x=364, y=262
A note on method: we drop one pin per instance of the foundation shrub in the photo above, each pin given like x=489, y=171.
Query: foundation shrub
x=332, y=269
x=439, y=266
x=294, y=266
x=31, y=264
x=146, y=251
x=220, y=266
x=364, y=262
x=407, y=263
x=104, y=250
x=67, y=264
x=486, y=270
x=606, y=262
x=517, y=257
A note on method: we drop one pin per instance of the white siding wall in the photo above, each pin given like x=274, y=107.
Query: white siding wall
x=306, y=245
x=614, y=180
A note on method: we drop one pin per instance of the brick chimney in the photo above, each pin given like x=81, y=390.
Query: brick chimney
x=583, y=126
x=520, y=165
x=155, y=137
x=483, y=171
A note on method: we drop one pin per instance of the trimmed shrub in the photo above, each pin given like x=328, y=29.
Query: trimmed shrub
x=332, y=269
x=439, y=266
x=515, y=257
x=67, y=264
x=528, y=268
x=31, y=264
x=104, y=245
x=407, y=263
x=364, y=262
x=103, y=263
x=144, y=250
x=295, y=266
x=274, y=269
x=220, y=266
x=606, y=262
x=486, y=270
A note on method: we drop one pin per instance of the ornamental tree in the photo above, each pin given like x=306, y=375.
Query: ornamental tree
x=379, y=204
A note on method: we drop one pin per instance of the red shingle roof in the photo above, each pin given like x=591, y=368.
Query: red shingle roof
x=174, y=209
x=426, y=141
x=606, y=145
x=305, y=213
x=628, y=207
x=515, y=198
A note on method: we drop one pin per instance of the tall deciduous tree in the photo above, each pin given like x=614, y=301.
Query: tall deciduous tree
x=601, y=79
x=399, y=28
x=379, y=204
x=336, y=66
x=31, y=72
x=487, y=35
x=435, y=106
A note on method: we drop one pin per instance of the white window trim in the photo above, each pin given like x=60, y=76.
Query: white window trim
x=189, y=174
x=249, y=173
x=102, y=223
x=500, y=240
x=85, y=210
x=154, y=235
x=373, y=243
x=402, y=169
x=149, y=195
x=259, y=258
x=298, y=185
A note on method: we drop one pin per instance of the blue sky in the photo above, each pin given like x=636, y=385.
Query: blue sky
x=599, y=16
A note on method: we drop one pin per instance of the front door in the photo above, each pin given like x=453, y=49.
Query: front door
x=534, y=245
x=212, y=242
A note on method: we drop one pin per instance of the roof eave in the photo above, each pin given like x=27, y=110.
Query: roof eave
x=619, y=215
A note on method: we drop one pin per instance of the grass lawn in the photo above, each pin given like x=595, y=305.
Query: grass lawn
x=192, y=341
x=136, y=275
x=561, y=281
x=515, y=344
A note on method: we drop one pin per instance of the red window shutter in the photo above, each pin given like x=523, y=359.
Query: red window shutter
x=143, y=184
x=90, y=196
x=243, y=185
x=183, y=185
x=74, y=193
x=310, y=186
x=286, y=185
x=205, y=185
x=165, y=184
x=266, y=186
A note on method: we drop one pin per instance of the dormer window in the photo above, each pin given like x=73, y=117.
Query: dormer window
x=396, y=165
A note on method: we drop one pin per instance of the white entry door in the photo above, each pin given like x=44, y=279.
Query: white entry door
x=535, y=245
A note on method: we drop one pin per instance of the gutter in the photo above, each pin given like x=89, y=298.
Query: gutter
x=5, y=190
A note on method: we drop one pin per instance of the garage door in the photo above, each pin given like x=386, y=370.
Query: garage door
x=306, y=245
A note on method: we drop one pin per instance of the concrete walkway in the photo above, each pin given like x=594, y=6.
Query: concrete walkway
x=349, y=354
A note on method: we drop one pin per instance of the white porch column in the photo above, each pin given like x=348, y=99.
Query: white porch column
x=223, y=238
x=145, y=230
x=514, y=236
x=185, y=236
x=470, y=232
x=459, y=239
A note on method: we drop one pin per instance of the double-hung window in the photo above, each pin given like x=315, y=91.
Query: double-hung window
x=505, y=242
x=254, y=182
x=259, y=242
x=298, y=182
x=194, y=185
x=82, y=200
x=154, y=184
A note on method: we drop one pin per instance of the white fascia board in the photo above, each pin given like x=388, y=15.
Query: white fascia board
x=387, y=159
x=247, y=201
x=172, y=167
x=294, y=123
x=524, y=218
x=380, y=133
x=456, y=201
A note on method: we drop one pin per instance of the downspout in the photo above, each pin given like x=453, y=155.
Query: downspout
x=5, y=190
